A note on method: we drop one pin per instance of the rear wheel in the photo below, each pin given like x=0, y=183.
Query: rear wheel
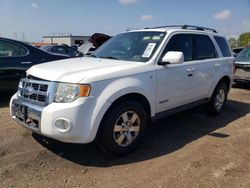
x=218, y=99
x=123, y=128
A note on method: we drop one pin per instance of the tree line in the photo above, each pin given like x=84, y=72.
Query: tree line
x=242, y=41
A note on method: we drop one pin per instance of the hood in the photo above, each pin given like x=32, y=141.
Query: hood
x=84, y=70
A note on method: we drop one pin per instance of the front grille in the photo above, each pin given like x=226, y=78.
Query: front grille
x=35, y=91
x=43, y=87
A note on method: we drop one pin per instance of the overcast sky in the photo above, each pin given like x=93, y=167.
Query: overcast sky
x=32, y=19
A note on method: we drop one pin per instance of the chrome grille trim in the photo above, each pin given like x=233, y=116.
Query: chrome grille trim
x=38, y=92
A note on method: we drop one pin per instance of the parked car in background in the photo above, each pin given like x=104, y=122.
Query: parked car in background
x=95, y=41
x=62, y=49
x=237, y=50
x=242, y=66
x=15, y=58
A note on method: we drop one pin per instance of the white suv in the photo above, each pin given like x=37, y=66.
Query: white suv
x=134, y=77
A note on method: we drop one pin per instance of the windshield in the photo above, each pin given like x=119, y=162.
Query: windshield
x=131, y=46
x=244, y=54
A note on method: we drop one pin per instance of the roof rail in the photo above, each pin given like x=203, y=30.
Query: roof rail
x=200, y=28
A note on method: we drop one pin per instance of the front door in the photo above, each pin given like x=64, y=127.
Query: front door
x=176, y=83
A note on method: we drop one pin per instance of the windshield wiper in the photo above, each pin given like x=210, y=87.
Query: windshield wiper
x=110, y=57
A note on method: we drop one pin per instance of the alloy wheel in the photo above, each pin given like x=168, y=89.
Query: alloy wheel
x=127, y=128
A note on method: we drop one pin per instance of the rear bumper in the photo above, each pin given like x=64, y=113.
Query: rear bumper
x=242, y=73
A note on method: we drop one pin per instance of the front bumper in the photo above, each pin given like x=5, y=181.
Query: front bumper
x=28, y=115
x=41, y=119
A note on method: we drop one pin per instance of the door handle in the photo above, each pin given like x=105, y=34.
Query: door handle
x=217, y=65
x=190, y=70
x=26, y=62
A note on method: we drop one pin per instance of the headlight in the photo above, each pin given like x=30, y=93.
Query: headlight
x=70, y=92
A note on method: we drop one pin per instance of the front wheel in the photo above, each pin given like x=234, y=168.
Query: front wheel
x=122, y=128
x=218, y=99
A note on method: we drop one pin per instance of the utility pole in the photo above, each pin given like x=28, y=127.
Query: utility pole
x=51, y=38
x=15, y=35
x=23, y=36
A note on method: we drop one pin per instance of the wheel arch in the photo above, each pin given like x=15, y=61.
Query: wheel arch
x=133, y=97
x=137, y=97
x=226, y=80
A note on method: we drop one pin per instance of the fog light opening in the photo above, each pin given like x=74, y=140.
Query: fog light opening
x=63, y=125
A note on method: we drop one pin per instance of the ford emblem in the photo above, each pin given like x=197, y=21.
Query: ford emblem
x=28, y=91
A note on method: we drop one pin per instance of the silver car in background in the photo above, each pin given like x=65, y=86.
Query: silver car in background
x=242, y=66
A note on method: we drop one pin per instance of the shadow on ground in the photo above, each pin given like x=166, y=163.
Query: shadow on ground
x=5, y=99
x=163, y=137
x=242, y=85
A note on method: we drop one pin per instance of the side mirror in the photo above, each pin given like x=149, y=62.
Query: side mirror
x=172, y=57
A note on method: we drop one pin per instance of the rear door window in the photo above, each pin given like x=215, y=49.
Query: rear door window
x=224, y=48
x=8, y=49
x=204, y=47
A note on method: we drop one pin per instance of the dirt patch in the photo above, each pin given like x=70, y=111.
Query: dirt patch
x=2, y=152
x=188, y=149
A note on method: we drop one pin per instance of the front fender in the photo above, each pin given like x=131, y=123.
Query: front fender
x=114, y=89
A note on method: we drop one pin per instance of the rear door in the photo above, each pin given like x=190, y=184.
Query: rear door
x=14, y=61
x=210, y=65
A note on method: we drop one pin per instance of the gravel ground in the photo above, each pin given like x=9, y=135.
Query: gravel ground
x=188, y=149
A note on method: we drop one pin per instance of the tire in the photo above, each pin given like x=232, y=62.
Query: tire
x=218, y=100
x=122, y=129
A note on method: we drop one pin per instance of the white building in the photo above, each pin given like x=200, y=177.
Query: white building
x=69, y=40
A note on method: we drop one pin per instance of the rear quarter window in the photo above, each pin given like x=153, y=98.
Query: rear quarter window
x=224, y=48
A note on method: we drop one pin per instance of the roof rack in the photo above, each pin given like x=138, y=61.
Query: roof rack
x=185, y=27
